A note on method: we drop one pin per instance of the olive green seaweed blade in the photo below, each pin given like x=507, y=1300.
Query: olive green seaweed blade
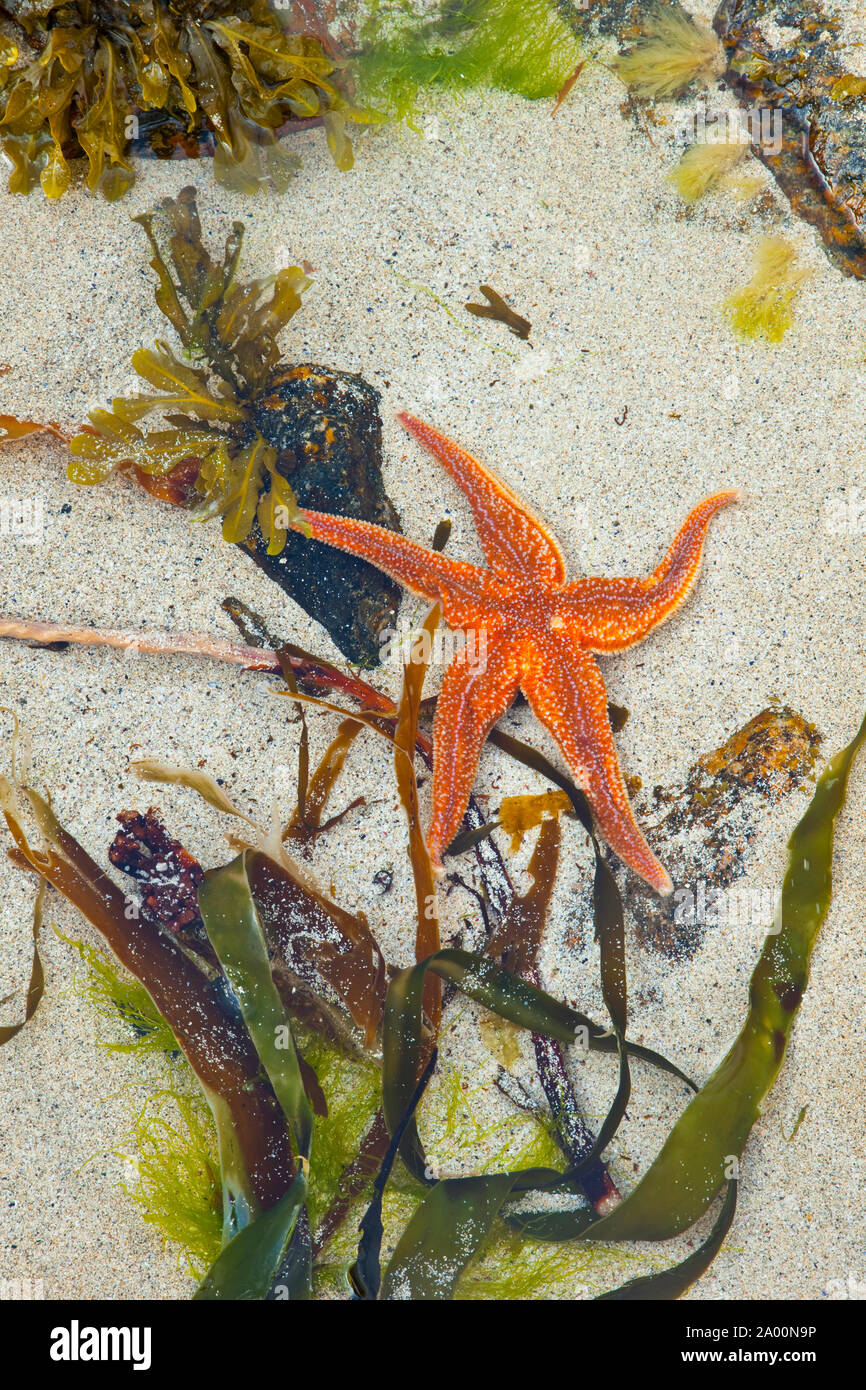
x=247, y=1267
x=703, y=1149
x=235, y=932
x=442, y=1237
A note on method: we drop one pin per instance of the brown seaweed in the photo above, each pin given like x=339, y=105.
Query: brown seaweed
x=498, y=309
x=251, y=439
x=201, y=76
x=258, y=1167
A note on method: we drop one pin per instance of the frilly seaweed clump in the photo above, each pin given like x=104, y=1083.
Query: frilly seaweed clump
x=213, y=451
x=208, y=65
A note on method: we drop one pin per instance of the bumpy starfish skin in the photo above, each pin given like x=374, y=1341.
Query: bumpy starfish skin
x=541, y=634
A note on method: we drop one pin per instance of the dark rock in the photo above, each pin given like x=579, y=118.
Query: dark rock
x=820, y=163
x=327, y=429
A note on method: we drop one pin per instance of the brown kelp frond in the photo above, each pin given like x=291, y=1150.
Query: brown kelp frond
x=405, y=741
x=314, y=939
x=228, y=330
x=675, y=52
x=230, y=324
x=256, y=1157
x=762, y=308
x=322, y=942
x=12, y=429
x=306, y=821
x=36, y=987
x=233, y=75
x=154, y=770
x=704, y=165
x=497, y=308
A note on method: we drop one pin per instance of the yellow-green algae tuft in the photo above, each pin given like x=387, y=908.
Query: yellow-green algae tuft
x=703, y=166
x=177, y=1173
x=675, y=52
x=762, y=308
x=113, y=994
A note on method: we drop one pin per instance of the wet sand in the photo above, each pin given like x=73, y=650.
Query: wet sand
x=573, y=221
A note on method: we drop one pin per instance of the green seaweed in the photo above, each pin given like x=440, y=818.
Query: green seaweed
x=514, y=1269
x=762, y=308
x=352, y=1086
x=519, y=46
x=208, y=67
x=177, y=1177
x=114, y=995
x=214, y=457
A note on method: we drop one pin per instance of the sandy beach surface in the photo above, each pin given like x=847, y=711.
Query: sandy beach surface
x=570, y=218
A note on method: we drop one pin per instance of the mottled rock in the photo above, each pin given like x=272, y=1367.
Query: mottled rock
x=788, y=57
x=327, y=430
x=707, y=824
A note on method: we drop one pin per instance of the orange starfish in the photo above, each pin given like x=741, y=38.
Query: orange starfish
x=541, y=635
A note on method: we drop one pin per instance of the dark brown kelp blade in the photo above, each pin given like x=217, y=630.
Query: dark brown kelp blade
x=301, y=926
x=257, y=1167
x=301, y=923
x=36, y=987
x=517, y=938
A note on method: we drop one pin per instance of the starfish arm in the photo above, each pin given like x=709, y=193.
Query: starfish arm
x=468, y=594
x=476, y=690
x=516, y=543
x=609, y=615
x=566, y=691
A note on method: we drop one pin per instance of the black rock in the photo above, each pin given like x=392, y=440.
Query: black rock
x=327, y=430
